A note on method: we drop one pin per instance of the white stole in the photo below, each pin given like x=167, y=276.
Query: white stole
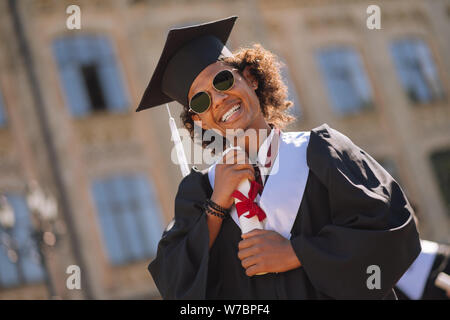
x=285, y=186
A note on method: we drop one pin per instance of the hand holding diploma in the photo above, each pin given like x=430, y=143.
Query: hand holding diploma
x=263, y=251
x=234, y=169
x=260, y=251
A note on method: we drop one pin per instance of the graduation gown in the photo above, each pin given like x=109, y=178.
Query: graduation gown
x=352, y=214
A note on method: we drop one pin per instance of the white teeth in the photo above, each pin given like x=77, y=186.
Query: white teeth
x=230, y=112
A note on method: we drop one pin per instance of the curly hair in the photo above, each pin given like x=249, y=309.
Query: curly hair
x=271, y=91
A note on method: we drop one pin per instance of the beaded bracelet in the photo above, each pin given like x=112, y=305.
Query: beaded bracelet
x=209, y=209
x=216, y=207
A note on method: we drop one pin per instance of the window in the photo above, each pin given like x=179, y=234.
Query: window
x=21, y=265
x=347, y=84
x=416, y=70
x=441, y=165
x=129, y=216
x=2, y=113
x=91, y=78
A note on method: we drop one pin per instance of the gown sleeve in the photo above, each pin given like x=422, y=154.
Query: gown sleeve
x=180, y=268
x=371, y=222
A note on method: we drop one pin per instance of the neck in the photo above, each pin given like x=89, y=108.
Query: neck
x=254, y=135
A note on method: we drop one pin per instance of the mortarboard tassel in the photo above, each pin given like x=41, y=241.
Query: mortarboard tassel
x=181, y=156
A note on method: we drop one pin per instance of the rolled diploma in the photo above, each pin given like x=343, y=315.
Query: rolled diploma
x=248, y=224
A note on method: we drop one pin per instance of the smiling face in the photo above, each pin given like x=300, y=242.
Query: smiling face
x=236, y=108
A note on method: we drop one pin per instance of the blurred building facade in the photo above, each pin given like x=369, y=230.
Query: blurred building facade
x=67, y=120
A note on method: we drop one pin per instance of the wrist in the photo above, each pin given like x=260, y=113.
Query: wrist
x=225, y=203
x=212, y=208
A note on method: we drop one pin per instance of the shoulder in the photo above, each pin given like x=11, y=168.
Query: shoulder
x=320, y=140
x=324, y=136
x=331, y=150
x=328, y=142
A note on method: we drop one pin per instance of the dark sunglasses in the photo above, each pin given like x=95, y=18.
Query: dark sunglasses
x=201, y=101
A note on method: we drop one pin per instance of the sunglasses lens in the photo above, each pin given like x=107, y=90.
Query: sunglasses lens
x=200, y=102
x=224, y=80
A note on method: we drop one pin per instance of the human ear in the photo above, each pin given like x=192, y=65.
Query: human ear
x=250, y=78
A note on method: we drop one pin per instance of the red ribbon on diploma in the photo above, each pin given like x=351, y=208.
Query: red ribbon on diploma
x=249, y=204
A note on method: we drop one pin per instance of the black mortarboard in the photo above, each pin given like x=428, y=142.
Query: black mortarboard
x=187, y=52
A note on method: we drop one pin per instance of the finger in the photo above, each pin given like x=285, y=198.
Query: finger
x=251, y=251
x=250, y=261
x=247, y=243
x=254, y=232
x=244, y=174
x=255, y=269
x=241, y=166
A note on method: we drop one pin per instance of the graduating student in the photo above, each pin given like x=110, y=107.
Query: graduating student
x=336, y=224
x=419, y=281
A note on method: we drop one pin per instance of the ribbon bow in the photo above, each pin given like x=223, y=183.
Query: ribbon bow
x=248, y=204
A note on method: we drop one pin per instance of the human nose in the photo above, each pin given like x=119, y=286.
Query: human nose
x=217, y=98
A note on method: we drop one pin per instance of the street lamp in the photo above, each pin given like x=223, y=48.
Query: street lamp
x=44, y=212
x=7, y=221
x=7, y=218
